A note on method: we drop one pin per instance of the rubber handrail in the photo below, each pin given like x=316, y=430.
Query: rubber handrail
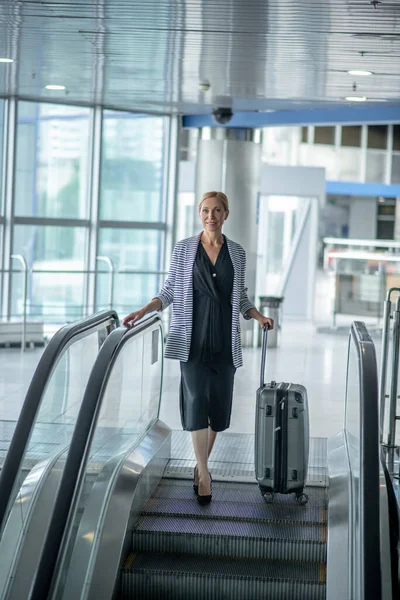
x=33, y=399
x=369, y=463
x=78, y=452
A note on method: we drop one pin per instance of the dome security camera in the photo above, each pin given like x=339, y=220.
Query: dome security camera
x=204, y=86
x=222, y=115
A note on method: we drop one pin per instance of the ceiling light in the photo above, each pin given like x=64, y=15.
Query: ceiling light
x=6, y=60
x=55, y=87
x=356, y=98
x=377, y=99
x=359, y=72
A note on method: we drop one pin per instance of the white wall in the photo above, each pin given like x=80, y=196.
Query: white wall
x=308, y=182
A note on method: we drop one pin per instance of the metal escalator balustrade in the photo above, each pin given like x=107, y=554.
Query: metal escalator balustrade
x=121, y=401
x=237, y=547
x=359, y=554
x=36, y=453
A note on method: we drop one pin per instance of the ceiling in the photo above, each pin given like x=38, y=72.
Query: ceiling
x=150, y=55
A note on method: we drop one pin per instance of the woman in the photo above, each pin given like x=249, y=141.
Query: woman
x=206, y=284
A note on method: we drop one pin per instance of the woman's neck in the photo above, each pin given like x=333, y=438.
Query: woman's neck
x=213, y=238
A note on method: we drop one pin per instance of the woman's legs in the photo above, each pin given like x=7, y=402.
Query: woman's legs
x=211, y=439
x=203, y=442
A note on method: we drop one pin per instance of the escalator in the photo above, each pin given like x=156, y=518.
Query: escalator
x=238, y=547
x=32, y=448
x=125, y=522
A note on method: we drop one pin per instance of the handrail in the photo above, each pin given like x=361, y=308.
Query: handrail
x=371, y=576
x=31, y=406
x=78, y=452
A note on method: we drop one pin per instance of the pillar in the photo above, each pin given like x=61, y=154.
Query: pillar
x=229, y=160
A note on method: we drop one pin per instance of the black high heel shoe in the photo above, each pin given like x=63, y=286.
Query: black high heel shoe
x=203, y=500
x=195, y=486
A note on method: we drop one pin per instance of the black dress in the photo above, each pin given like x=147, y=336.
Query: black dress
x=206, y=387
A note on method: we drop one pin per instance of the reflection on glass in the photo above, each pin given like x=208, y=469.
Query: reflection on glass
x=130, y=250
x=283, y=216
x=129, y=406
x=52, y=150
x=55, y=296
x=132, y=167
x=51, y=433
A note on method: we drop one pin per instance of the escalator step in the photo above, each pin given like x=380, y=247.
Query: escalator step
x=176, y=577
x=242, y=493
x=232, y=546
x=238, y=511
x=190, y=526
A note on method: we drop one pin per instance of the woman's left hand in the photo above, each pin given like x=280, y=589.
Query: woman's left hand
x=265, y=321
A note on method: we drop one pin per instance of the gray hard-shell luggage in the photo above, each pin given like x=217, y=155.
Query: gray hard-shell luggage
x=281, y=436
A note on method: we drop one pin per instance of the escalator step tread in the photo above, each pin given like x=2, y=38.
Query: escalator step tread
x=256, y=511
x=246, y=493
x=230, y=545
x=226, y=527
x=173, y=564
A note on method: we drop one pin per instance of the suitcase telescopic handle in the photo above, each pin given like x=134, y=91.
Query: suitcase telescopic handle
x=263, y=355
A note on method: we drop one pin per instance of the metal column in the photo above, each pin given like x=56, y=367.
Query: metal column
x=229, y=160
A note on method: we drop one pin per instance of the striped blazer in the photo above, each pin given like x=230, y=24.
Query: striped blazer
x=178, y=290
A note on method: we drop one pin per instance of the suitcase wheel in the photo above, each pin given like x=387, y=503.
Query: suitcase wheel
x=302, y=499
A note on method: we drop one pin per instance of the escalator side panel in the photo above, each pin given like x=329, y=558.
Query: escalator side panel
x=104, y=535
x=24, y=529
x=339, y=552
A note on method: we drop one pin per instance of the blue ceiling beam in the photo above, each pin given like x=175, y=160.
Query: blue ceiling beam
x=327, y=116
x=353, y=188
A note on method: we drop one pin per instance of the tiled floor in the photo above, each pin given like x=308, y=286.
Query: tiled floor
x=316, y=360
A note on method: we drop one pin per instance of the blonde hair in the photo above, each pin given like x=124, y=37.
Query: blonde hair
x=223, y=198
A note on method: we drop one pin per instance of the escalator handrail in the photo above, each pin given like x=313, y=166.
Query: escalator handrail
x=78, y=452
x=33, y=399
x=369, y=462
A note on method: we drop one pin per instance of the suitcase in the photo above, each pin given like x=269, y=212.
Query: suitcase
x=281, y=437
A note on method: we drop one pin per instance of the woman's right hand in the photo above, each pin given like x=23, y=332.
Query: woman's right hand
x=133, y=317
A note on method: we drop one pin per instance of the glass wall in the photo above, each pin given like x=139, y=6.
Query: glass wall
x=59, y=227
x=52, y=160
x=52, y=252
x=131, y=197
x=132, y=167
x=135, y=252
x=51, y=188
